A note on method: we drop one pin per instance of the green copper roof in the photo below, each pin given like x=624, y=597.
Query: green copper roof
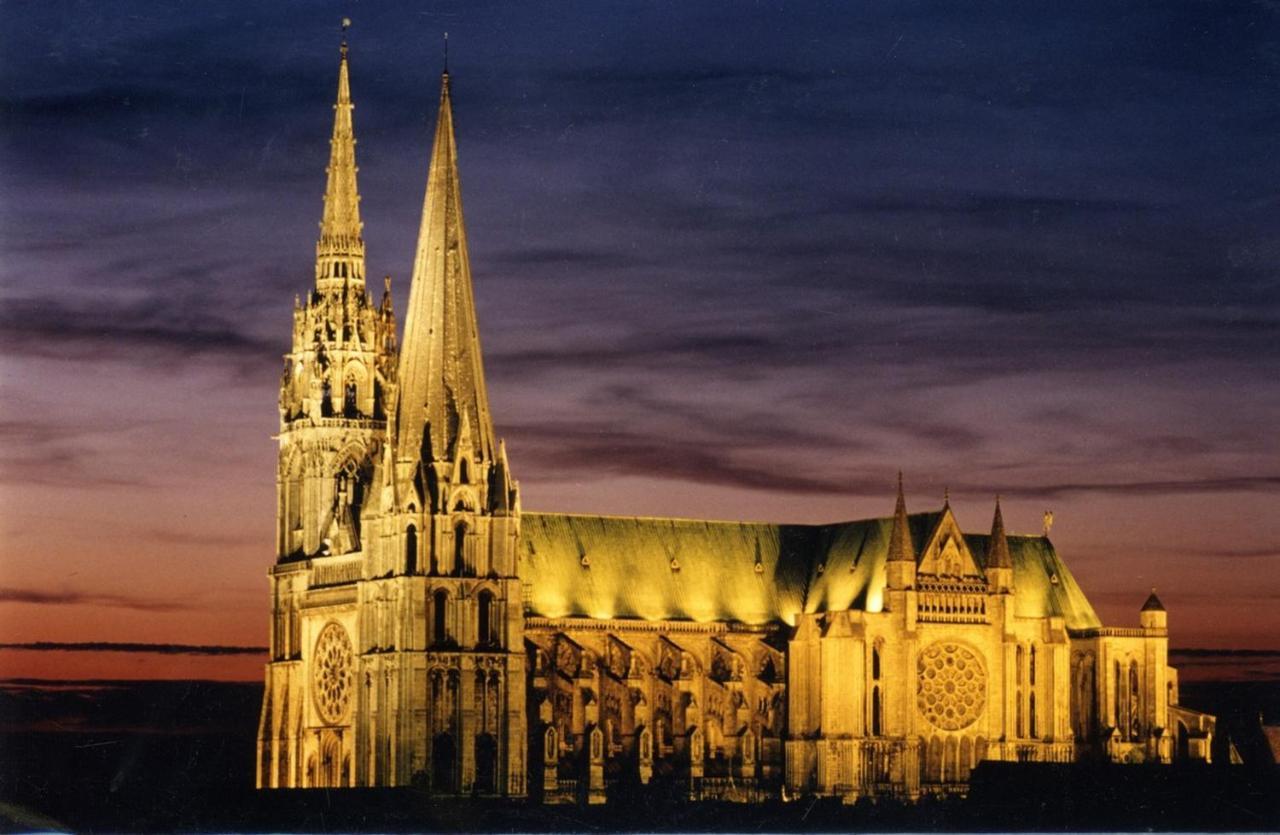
x=683, y=569
x=630, y=573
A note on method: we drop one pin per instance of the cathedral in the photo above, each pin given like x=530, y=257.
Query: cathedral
x=427, y=631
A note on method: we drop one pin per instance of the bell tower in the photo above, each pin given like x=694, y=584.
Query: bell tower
x=333, y=389
x=334, y=392
x=448, y=522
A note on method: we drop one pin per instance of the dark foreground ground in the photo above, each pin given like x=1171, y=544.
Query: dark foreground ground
x=157, y=756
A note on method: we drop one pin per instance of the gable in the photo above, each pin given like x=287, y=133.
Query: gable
x=946, y=554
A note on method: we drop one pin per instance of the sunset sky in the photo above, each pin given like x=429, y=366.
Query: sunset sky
x=736, y=261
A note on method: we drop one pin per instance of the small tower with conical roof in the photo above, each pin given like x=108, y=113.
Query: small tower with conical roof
x=1153, y=615
x=900, y=563
x=999, y=566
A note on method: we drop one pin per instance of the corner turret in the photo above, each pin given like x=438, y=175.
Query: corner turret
x=900, y=567
x=1153, y=614
x=999, y=567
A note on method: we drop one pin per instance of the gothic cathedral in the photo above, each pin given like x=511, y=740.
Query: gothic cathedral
x=428, y=632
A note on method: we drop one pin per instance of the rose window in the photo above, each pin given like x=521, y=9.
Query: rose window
x=331, y=673
x=952, y=687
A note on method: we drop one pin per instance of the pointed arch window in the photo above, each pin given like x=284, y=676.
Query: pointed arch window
x=411, y=550
x=875, y=663
x=439, y=617
x=1135, y=703
x=459, y=549
x=1117, y=718
x=326, y=399
x=484, y=616
x=350, y=406
x=1031, y=714
x=293, y=507
x=1017, y=696
x=876, y=719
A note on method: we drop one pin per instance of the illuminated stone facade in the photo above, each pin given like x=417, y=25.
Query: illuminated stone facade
x=427, y=632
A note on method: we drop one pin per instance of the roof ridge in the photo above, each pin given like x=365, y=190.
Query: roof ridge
x=753, y=522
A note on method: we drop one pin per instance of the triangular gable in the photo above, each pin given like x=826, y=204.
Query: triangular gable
x=838, y=626
x=945, y=553
x=807, y=628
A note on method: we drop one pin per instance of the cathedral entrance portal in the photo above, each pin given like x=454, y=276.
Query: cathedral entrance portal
x=486, y=764
x=330, y=759
x=444, y=756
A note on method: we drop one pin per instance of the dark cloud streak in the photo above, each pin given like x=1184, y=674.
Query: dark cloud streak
x=110, y=646
x=80, y=598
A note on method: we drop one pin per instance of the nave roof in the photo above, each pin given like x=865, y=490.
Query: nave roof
x=750, y=573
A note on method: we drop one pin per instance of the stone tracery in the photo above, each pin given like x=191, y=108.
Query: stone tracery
x=952, y=688
x=331, y=681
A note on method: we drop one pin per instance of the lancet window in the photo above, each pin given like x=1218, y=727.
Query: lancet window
x=439, y=617
x=484, y=616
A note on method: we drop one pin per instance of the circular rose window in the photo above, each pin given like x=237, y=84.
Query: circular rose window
x=952, y=685
x=331, y=673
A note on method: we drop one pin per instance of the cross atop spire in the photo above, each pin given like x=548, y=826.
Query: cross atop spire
x=441, y=376
x=340, y=250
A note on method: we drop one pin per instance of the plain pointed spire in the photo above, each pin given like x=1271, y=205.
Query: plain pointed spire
x=998, y=548
x=901, y=548
x=340, y=250
x=441, y=376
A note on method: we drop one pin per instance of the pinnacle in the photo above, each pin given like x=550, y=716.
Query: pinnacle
x=998, y=550
x=901, y=548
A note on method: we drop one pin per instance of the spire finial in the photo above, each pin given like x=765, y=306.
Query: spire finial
x=346, y=24
x=446, y=53
x=946, y=496
x=340, y=250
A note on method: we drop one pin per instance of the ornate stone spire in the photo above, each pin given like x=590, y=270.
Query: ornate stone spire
x=901, y=548
x=441, y=377
x=340, y=250
x=998, y=547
